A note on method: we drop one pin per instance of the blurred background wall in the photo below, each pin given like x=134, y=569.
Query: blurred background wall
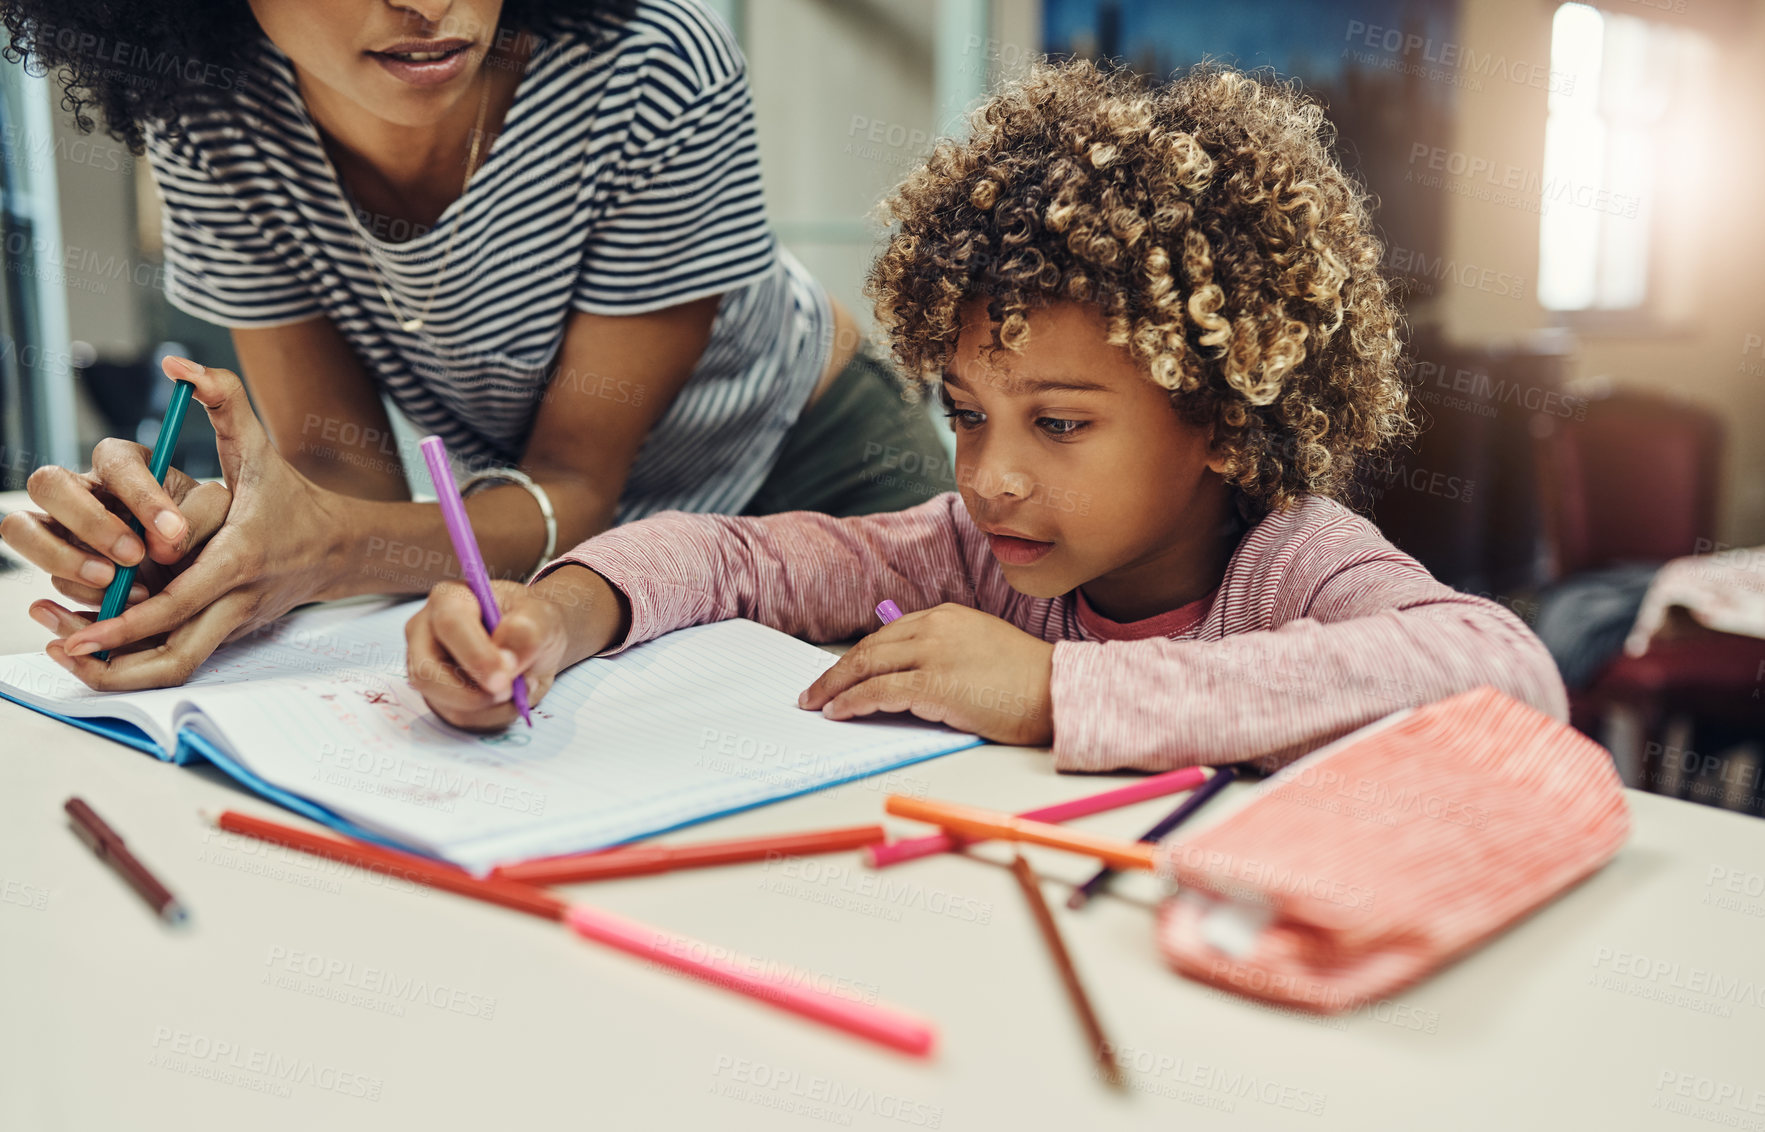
x=1443, y=109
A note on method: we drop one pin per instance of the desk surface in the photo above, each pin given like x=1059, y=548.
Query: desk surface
x=1636, y=1001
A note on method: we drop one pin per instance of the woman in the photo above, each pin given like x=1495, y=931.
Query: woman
x=536, y=227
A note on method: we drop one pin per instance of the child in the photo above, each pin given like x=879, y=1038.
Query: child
x=1156, y=323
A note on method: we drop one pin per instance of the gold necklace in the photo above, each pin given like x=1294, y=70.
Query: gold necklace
x=412, y=325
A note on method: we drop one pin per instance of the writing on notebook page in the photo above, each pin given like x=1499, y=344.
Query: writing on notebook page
x=320, y=708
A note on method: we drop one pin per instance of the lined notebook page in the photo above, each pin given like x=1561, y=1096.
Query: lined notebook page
x=309, y=641
x=36, y=681
x=698, y=723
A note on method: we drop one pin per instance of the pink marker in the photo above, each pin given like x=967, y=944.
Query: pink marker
x=782, y=987
x=1158, y=786
x=459, y=529
x=887, y=610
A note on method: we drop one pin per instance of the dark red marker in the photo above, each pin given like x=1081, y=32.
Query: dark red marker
x=105, y=842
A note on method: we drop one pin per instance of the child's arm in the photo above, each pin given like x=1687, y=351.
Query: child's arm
x=1375, y=637
x=804, y=573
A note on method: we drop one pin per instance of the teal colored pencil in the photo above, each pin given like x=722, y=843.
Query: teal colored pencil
x=117, y=595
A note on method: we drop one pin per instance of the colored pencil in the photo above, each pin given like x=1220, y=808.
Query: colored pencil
x=1157, y=786
x=1069, y=975
x=459, y=530
x=1221, y=779
x=116, y=595
x=778, y=986
x=409, y=866
x=641, y=859
x=784, y=988
x=973, y=822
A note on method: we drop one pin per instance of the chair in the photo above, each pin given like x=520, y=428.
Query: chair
x=1635, y=480
x=1462, y=499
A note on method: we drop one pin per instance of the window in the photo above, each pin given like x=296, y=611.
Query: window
x=1609, y=129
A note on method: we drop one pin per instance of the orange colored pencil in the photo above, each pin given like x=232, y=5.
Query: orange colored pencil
x=972, y=821
x=510, y=894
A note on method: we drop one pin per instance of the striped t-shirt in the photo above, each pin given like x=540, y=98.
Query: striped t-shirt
x=1318, y=627
x=626, y=179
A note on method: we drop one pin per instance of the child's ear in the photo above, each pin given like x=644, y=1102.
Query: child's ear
x=1217, y=457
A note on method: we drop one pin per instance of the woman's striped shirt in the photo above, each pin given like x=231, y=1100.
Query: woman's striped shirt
x=626, y=179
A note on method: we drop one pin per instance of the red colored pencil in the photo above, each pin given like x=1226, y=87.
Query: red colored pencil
x=520, y=897
x=781, y=987
x=641, y=859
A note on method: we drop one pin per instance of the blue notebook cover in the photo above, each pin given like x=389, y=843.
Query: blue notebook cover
x=193, y=747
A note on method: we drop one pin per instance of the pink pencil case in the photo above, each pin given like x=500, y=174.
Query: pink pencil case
x=1374, y=861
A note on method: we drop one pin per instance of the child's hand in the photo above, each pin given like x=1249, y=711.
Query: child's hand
x=466, y=673
x=950, y=664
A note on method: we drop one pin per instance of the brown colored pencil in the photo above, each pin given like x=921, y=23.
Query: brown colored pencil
x=1075, y=990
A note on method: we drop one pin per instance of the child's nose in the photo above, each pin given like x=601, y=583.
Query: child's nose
x=995, y=479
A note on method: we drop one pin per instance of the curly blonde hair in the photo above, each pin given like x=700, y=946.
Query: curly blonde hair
x=1207, y=220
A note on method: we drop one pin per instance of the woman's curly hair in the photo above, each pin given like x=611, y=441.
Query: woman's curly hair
x=154, y=62
x=1226, y=249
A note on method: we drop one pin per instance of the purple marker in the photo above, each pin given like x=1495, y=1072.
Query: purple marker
x=887, y=610
x=459, y=529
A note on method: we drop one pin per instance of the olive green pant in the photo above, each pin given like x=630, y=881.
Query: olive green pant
x=859, y=449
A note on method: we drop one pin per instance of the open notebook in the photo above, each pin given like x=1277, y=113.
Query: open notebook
x=316, y=714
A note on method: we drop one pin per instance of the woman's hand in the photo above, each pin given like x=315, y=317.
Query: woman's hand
x=949, y=664
x=275, y=549
x=83, y=536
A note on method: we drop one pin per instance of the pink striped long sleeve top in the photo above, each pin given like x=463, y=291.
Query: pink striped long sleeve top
x=1318, y=626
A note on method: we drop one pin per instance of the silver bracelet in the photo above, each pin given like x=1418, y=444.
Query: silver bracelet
x=517, y=476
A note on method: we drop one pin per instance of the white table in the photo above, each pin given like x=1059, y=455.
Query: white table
x=453, y=1014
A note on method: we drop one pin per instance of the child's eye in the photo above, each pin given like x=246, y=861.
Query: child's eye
x=959, y=418
x=1059, y=426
